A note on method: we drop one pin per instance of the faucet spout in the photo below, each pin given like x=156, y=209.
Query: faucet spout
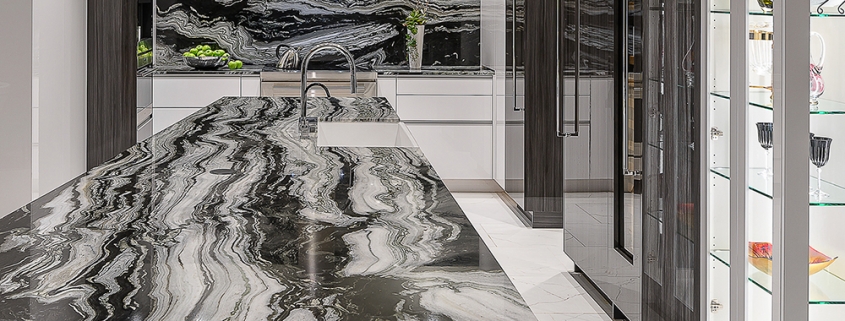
x=304, y=83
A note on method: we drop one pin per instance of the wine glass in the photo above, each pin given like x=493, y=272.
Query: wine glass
x=764, y=137
x=819, y=155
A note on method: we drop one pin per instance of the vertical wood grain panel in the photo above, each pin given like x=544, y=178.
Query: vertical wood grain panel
x=543, y=149
x=111, y=78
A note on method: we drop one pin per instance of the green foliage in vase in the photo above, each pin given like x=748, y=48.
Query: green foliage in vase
x=412, y=21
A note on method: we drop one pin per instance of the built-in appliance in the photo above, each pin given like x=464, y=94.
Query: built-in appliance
x=287, y=83
x=600, y=137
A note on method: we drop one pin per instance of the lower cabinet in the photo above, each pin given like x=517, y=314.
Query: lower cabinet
x=174, y=98
x=457, y=151
x=164, y=117
x=451, y=119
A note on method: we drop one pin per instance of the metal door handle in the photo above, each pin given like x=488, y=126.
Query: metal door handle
x=561, y=101
x=516, y=106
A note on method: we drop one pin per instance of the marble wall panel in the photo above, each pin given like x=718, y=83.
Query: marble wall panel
x=250, y=30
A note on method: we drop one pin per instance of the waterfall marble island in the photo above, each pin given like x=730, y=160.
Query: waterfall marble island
x=230, y=214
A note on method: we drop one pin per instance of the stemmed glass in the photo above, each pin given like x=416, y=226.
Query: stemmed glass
x=819, y=155
x=764, y=137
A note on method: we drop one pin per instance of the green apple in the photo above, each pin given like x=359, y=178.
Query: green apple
x=206, y=47
x=219, y=52
x=233, y=65
x=194, y=51
x=209, y=52
x=201, y=55
x=240, y=64
x=189, y=54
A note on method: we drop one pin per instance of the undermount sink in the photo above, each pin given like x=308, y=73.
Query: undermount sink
x=364, y=134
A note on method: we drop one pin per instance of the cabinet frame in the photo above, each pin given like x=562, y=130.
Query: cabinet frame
x=790, y=210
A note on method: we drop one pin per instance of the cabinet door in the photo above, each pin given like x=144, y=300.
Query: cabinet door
x=445, y=86
x=193, y=91
x=474, y=108
x=457, y=151
x=164, y=117
x=387, y=89
x=250, y=86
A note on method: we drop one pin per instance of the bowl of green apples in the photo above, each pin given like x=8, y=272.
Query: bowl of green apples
x=203, y=57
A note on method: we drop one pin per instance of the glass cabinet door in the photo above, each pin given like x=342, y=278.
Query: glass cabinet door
x=826, y=138
x=780, y=119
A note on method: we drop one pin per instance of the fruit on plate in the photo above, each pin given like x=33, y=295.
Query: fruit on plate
x=236, y=64
x=206, y=51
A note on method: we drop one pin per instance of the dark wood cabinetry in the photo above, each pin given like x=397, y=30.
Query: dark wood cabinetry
x=112, y=32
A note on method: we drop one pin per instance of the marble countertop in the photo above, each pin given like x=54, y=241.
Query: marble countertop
x=229, y=214
x=436, y=71
x=253, y=70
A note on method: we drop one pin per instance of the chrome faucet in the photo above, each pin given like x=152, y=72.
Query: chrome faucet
x=309, y=124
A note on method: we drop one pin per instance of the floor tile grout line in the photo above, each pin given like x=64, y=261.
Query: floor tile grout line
x=550, y=251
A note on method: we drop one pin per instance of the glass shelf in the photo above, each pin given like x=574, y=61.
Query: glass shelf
x=763, y=186
x=828, y=12
x=825, y=287
x=758, y=98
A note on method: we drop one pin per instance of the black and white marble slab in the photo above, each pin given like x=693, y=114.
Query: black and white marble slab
x=229, y=215
x=382, y=70
x=250, y=30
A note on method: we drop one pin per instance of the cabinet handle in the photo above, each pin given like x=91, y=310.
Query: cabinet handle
x=561, y=101
x=516, y=106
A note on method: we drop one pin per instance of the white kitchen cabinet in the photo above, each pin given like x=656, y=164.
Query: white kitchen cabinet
x=176, y=92
x=441, y=86
x=456, y=151
x=387, y=89
x=251, y=86
x=452, y=120
x=438, y=108
x=164, y=117
x=175, y=97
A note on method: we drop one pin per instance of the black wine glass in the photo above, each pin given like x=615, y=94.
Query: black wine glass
x=819, y=155
x=764, y=137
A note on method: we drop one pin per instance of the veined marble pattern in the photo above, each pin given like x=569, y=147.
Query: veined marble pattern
x=295, y=232
x=250, y=30
x=533, y=259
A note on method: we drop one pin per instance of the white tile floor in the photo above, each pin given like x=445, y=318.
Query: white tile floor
x=532, y=258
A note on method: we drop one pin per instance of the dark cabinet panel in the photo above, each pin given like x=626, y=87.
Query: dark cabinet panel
x=111, y=115
x=543, y=149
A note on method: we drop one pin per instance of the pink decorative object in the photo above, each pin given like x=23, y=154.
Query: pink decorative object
x=816, y=81
x=760, y=256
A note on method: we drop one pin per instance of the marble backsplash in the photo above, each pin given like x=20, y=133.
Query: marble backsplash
x=250, y=30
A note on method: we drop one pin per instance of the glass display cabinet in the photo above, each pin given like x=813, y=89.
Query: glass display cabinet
x=776, y=159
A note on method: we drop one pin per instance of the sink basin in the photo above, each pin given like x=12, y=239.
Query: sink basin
x=364, y=134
